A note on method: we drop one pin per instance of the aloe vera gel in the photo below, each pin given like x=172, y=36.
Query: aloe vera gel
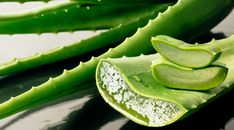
x=184, y=54
x=179, y=77
x=187, y=66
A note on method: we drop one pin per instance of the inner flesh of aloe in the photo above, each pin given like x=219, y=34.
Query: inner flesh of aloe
x=184, y=54
x=178, y=77
x=143, y=110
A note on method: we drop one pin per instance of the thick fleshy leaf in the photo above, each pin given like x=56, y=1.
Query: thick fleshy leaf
x=127, y=84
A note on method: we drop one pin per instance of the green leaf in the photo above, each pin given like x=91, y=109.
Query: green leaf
x=127, y=84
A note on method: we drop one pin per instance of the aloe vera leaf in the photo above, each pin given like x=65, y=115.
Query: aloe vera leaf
x=103, y=2
x=180, y=52
x=15, y=22
x=104, y=39
x=125, y=2
x=72, y=16
x=174, y=21
x=175, y=76
x=127, y=84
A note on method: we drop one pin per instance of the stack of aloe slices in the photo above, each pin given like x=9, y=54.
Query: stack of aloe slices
x=128, y=84
x=187, y=66
x=173, y=19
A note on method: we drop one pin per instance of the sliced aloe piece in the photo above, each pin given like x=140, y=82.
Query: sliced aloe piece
x=174, y=76
x=184, y=54
x=118, y=82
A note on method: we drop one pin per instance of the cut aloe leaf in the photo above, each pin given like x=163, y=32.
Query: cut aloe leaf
x=174, y=76
x=127, y=84
x=117, y=81
x=184, y=54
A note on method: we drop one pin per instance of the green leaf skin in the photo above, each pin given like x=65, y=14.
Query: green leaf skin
x=12, y=23
x=184, y=19
x=127, y=84
x=104, y=39
x=175, y=76
x=72, y=17
x=123, y=2
x=103, y=2
x=180, y=52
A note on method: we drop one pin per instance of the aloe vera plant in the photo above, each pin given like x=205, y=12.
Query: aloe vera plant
x=103, y=39
x=107, y=2
x=176, y=21
x=73, y=16
x=103, y=2
x=127, y=84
